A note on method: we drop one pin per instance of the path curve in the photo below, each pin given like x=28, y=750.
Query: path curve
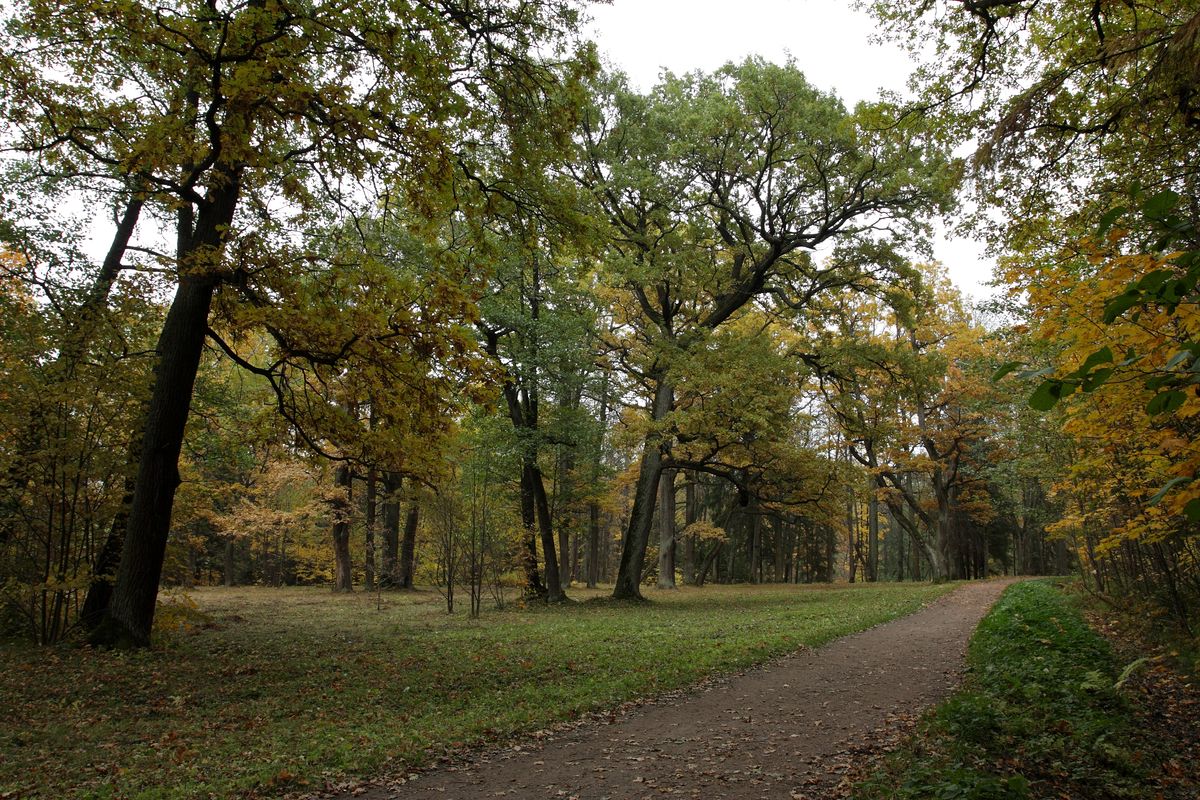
x=769, y=733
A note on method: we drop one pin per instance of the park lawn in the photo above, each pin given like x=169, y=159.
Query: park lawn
x=278, y=690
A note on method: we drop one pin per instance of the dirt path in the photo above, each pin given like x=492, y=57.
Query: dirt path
x=774, y=732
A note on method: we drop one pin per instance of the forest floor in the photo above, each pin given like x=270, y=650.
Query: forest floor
x=789, y=729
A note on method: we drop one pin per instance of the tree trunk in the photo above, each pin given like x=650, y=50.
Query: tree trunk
x=852, y=548
x=641, y=517
x=709, y=559
x=369, y=568
x=104, y=571
x=227, y=577
x=666, y=531
x=533, y=580
x=942, y=555
x=568, y=404
x=391, y=529
x=755, y=543
x=130, y=612
x=408, y=547
x=780, y=552
x=872, y=537
x=593, y=545
x=343, y=568
x=131, y=608
x=689, y=541
x=554, y=590
x=564, y=549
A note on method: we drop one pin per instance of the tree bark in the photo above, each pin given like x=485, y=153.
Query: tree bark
x=689, y=541
x=533, y=580
x=104, y=571
x=593, y=545
x=641, y=517
x=554, y=589
x=872, y=537
x=780, y=551
x=130, y=612
x=593, y=542
x=709, y=560
x=369, y=568
x=391, y=528
x=755, y=543
x=666, y=531
x=131, y=608
x=343, y=568
x=408, y=547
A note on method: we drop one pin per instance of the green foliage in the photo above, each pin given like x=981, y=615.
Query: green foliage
x=1040, y=714
x=280, y=689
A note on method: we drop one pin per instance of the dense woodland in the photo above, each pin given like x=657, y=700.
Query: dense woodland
x=421, y=293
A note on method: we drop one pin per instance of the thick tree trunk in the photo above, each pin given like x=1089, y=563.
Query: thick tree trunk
x=343, y=575
x=780, y=551
x=408, y=547
x=852, y=548
x=709, y=560
x=104, y=570
x=830, y=554
x=666, y=531
x=130, y=612
x=942, y=554
x=131, y=608
x=593, y=542
x=564, y=549
x=554, y=590
x=641, y=518
x=568, y=404
x=895, y=534
x=534, y=587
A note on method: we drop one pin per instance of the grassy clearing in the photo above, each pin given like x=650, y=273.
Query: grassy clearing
x=1039, y=715
x=286, y=688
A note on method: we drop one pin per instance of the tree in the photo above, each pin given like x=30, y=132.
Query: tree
x=534, y=326
x=717, y=187
x=1089, y=137
x=913, y=397
x=1071, y=100
x=66, y=419
x=242, y=125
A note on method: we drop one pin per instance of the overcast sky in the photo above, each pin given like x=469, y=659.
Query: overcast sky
x=828, y=39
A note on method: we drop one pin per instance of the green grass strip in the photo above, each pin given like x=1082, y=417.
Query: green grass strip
x=1039, y=715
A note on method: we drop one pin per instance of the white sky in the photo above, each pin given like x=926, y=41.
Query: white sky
x=828, y=39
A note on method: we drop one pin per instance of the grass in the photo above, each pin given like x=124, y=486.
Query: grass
x=282, y=689
x=1040, y=715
